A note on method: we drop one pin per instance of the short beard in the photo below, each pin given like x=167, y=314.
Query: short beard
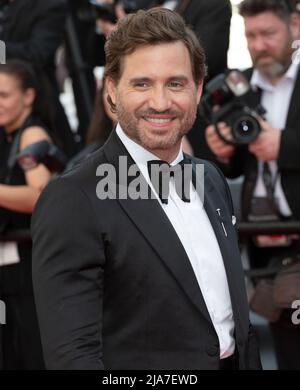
x=130, y=125
x=279, y=66
x=275, y=70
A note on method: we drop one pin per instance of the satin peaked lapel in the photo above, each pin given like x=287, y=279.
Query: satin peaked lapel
x=228, y=245
x=154, y=225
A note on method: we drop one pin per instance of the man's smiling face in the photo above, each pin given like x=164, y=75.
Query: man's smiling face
x=156, y=97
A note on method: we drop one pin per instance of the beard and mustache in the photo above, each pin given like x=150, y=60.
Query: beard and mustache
x=279, y=64
x=130, y=123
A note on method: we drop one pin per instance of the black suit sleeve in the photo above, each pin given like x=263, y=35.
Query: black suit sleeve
x=254, y=362
x=289, y=151
x=46, y=36
x=68, y=261
x=237, y=164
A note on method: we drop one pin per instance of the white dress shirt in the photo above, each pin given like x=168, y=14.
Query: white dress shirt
x=276, y=100
x=196, y=234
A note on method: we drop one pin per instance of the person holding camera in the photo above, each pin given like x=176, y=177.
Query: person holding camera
x=271, y=161
x=21, y=124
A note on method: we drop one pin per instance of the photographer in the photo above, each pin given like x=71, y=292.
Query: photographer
x=22, y=123
x=271, y=162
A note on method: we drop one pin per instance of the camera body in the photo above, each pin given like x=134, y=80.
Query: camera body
x=106, y=11
x=224, y=101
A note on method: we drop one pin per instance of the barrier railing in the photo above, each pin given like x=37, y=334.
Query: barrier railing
x=248, y=229
x=245, y=230
x=16, y=236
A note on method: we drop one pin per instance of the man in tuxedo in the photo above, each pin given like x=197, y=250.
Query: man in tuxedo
x=142, y=282
x=271, y=163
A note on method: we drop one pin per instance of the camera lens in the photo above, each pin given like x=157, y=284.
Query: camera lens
x=245, y=129
x=246, y=126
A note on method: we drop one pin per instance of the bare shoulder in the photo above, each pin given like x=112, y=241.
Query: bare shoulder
x=33, y=134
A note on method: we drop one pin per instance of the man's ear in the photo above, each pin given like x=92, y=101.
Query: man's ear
x=295, y=26
x=111, y=88
x=29, y=96
x=199, y=91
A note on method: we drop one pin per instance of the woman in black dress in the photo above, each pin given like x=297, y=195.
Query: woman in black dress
x=21, y=124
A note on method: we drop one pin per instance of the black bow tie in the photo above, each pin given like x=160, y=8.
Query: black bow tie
x=160, y=173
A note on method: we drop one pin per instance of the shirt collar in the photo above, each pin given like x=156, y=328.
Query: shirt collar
x=259, y=81
x=139, y=154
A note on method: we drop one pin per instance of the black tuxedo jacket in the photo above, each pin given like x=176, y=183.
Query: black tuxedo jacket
x=114, y=287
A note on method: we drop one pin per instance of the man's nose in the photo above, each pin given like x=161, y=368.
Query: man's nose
x=259, y=45
x=160, y=99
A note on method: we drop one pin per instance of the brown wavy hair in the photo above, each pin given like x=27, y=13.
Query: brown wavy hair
x=152, y=27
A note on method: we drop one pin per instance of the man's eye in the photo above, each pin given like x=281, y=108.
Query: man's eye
x=175, y=84
x=269, y=33
x=141, y=85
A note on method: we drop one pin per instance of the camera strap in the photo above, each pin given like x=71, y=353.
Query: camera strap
x=268, y=180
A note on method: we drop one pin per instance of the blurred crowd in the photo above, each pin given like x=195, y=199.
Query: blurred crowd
x=48, y=41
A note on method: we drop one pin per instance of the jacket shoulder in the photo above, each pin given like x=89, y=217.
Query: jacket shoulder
x=86, y=169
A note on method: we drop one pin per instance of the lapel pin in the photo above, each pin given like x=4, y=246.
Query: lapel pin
x=219, y=214
x=224, y=229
